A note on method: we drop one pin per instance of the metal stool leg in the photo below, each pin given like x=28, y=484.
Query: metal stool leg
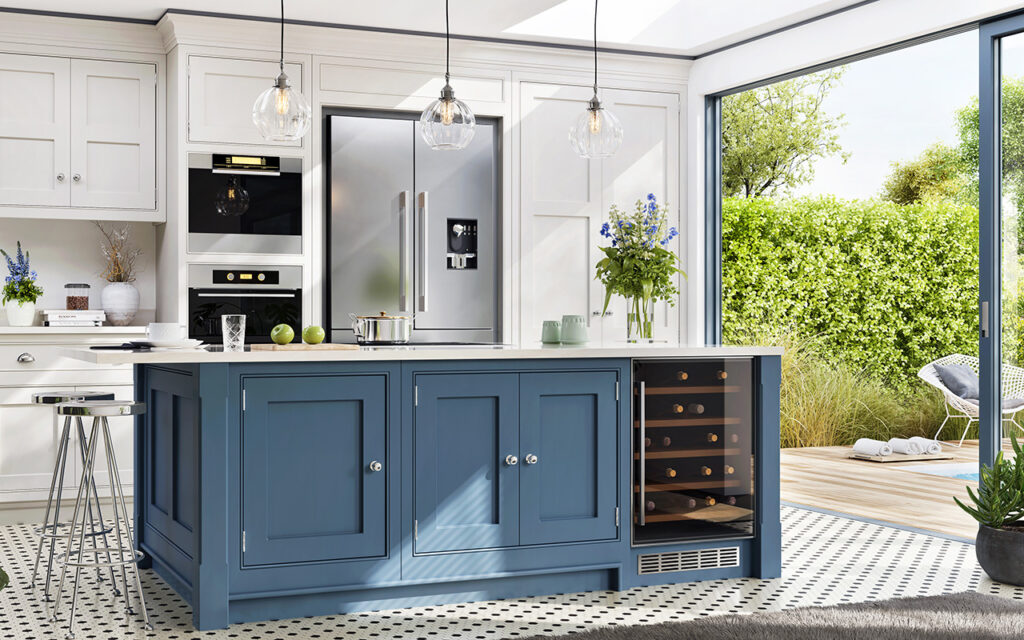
x=87, y=478
x=115, y=489
x=101, y=530
x=111, y=466
x=53, y=504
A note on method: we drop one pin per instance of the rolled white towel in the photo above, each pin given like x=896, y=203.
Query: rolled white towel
x=903, y=445
x=869, y=447
x=931, y=447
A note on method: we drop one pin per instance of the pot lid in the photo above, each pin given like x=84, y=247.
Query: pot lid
x=383, y=315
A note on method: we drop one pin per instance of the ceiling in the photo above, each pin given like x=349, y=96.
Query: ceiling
x=680, y=27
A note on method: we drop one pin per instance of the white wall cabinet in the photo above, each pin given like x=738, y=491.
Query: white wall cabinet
x=565, y=200
x=221, y=93
x=77, y=134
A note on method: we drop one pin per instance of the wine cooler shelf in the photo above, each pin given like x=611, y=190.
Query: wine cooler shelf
x=693, y=458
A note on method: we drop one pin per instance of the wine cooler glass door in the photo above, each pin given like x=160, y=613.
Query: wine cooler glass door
x=693, y=450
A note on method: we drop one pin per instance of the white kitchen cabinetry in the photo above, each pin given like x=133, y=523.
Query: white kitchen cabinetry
x=221, y=93
x=77, y=135
x=565, y=200
x=30, y=434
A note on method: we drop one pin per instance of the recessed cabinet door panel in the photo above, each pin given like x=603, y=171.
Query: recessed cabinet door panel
x=465, y=494
x=113, y=143
x=568, y=421
x=309, y=492
x=34, y=126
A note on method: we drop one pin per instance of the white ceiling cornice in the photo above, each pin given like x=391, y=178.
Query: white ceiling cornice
x=43, y=30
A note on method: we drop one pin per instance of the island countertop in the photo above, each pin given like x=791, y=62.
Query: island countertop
x=419, y=352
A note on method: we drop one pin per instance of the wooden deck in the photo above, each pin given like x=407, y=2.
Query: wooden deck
x=824, y=477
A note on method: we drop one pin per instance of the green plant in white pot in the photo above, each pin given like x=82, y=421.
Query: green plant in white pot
x=120, y=298
x=20, y=290
x=999, y=510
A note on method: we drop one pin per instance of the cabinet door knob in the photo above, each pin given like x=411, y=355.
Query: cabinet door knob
x=26, y=358
x=376, y=466
x=60, y=177
x=511, y=460
x=77, y=177
x=531, y=459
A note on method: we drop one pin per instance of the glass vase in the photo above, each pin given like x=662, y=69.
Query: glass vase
x=639, y=319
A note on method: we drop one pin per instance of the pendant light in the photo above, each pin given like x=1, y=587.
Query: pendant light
x=281, y=112
x=447, y=123
x=596, y=133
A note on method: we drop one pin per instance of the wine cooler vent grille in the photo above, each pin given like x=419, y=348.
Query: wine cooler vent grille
x=689, y=560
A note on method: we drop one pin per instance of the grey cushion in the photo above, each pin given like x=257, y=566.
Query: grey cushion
x=1009, y=404
x=960, y=379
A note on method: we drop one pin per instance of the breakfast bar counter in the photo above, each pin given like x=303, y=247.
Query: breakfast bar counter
x=275, y=484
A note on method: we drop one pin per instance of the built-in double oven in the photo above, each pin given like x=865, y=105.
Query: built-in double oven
x=244, y=204
x=266, y=295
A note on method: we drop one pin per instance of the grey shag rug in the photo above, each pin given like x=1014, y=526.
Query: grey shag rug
x=955, y=616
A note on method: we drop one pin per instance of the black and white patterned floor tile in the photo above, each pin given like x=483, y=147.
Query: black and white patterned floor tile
x=826, y=560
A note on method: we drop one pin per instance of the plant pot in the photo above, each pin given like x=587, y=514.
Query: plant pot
x=120, y=301
x=20, y=314
x=1001, y=554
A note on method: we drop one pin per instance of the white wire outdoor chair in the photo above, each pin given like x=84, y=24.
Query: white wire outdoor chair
x=957, y=407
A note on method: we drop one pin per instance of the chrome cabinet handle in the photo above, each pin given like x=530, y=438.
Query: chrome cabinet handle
x=531, y=459
x=26, y=358
x=598, y=314
x=642, y=511
x=424, y=211
x=60, y=177
x=511, y=460
x=405, y=250
x=77, y=177
x=376, y=466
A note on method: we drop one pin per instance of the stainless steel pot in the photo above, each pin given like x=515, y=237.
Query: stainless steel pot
x=382, y=329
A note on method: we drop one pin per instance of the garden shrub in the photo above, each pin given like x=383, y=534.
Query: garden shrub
x=882, y=288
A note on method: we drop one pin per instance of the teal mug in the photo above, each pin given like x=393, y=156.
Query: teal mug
x=551, y=332
x=574, y=329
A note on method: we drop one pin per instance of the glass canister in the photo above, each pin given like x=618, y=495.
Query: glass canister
x=76, y=296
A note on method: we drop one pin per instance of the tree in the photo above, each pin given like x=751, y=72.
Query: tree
x=936, y=174
x=1013, y=141
x=771, y=136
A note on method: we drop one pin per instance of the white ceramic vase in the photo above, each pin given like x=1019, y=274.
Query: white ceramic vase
x=20, y=315
x=120, y=301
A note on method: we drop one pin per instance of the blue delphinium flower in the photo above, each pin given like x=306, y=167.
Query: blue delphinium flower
x=604, y=230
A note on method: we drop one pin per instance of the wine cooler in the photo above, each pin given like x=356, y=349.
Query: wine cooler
x=693, y=454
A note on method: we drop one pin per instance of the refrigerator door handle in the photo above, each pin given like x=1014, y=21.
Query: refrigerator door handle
x=422, y=270
x=404, y=250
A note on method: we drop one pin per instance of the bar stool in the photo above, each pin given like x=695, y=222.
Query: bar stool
x=124, y=554
x=50, y=530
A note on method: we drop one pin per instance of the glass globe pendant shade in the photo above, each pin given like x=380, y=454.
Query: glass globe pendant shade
x=281, y=112
x=233, y=200
x=597, y=133
x=447, y=123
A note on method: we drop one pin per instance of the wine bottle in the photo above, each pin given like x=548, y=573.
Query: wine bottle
x=682, y=376
x=734, y=438
x=705, y=470
x=721, y=375
x=670, y=472
x=729, y=470
x=678, y=408
x=695, y=408
x=647, y=443
x=712, y=499
x=673, y=502
x=650, y=505
x=712, y=437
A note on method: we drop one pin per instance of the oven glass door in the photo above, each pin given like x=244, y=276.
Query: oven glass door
x=263, y=309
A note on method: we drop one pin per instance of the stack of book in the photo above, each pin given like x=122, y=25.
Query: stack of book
x=69, y=318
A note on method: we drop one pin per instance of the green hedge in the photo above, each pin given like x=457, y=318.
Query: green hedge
x=881, y=287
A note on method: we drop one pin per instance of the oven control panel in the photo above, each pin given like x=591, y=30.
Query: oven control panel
x=226, y=276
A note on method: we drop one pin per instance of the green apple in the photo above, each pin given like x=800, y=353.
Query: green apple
x=313, y=334
x=282, y=334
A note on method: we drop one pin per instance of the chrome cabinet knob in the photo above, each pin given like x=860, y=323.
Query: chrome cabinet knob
x=77, y=177
x=531, y=459
x=376, y=466
x=26, y=358
x=511, y=460
x=60, y=177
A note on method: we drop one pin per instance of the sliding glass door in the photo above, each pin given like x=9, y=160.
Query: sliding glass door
x=1001, y=202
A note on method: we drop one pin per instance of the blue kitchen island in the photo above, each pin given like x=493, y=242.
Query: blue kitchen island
x=274, y=485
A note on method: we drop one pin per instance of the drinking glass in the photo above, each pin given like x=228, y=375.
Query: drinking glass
x=233, y=330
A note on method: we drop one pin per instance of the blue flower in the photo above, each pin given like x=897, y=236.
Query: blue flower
x=604, y=230
x=650, y=196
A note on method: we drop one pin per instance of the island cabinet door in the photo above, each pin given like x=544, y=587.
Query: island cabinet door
x=310, y=488
x=568, y=442
x=465, y=452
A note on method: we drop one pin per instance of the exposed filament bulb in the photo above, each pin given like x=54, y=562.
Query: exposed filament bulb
x=595, y=121
x=447, y=112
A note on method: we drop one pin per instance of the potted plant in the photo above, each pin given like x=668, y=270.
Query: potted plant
x=20, y=290
x=638, y=265
x=999, y=510
x=120, y=298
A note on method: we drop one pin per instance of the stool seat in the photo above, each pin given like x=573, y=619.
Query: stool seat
x=101, y=408
x=59, y=397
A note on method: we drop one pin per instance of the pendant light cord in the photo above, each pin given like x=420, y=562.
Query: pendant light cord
x=595, y=46
x=447, y=44
x=282, y=36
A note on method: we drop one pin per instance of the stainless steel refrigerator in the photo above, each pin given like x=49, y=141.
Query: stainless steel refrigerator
x=412, y=230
